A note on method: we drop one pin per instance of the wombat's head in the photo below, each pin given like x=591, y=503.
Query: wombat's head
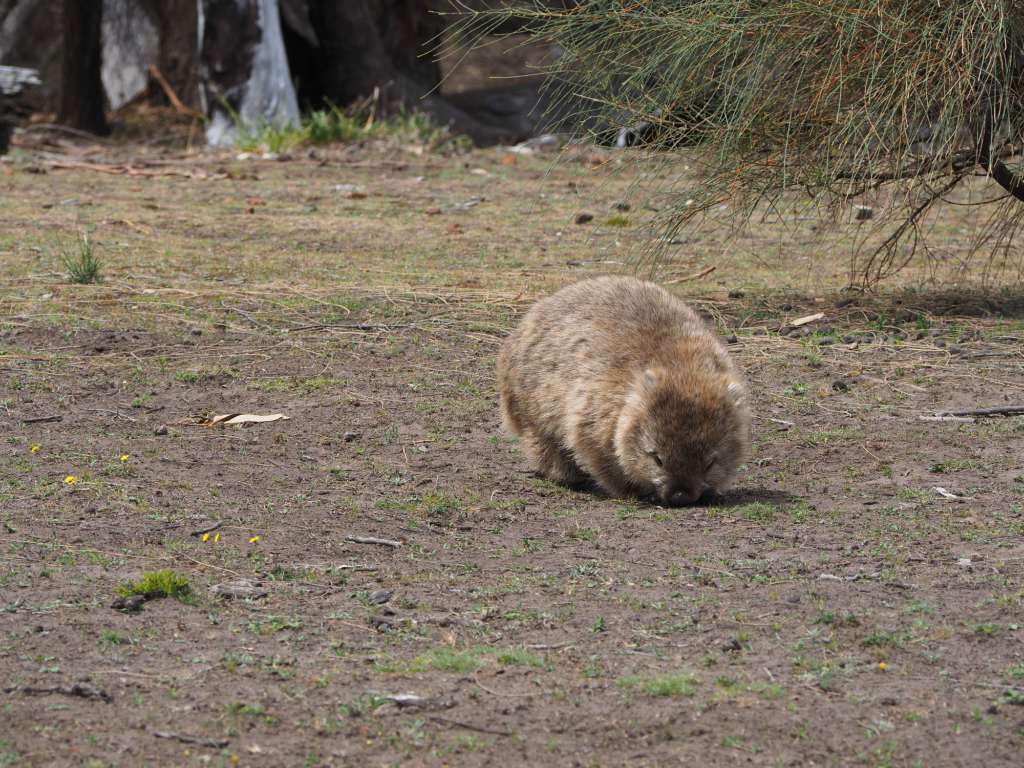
x=682, y=434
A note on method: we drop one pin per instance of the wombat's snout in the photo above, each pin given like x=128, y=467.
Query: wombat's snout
x=681, y=497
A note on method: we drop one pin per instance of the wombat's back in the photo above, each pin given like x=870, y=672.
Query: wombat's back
x=599, y=328
x=609, y=372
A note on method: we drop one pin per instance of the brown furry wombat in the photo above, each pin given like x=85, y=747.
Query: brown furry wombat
x=615, y=380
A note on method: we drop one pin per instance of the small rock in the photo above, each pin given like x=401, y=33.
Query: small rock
x=128, y=604
x=845, y=302
x=963, y=562
x=888, y=701
x=731, y=339
x=380, y=596
x=584, y=217
x=348, y=437
x=863, y=212
x=825, y=341
x=620, y=206
x=351, y=191
x=161, y=430
x=241, y=589
x=851, y=338
x=196, y=331
x=840, y=386
x=731, y=645
x=737, y=293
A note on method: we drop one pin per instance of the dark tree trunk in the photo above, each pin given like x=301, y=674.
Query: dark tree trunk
x=378, y=48
x=81, y=98
x=177, y=23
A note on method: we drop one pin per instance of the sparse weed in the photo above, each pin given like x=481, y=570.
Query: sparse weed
x=157, y=584
x=81, y=262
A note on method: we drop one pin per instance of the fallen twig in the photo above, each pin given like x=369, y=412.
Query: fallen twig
x=373, y=540
x=695, y=276
x=469, y=726
x=207, y=529
x=172, y=97
x=79, y=690
x=197, y=740
x=954, y=419
x=998, y=410
x=42, y=419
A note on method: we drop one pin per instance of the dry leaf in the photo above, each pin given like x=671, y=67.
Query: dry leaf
x=807, y=319
x=242, y=418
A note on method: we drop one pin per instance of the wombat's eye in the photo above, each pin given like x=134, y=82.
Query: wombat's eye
x=654, y=455
x=710, y=463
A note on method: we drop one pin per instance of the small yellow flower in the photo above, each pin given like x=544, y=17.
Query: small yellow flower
x=34, y=449
x=216, y=537
x=206, y=536
x=124, y=458
x=70, y=480
x=882, y=666
x=254, y=540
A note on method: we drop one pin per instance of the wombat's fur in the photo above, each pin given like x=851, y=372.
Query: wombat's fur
x=615, y=380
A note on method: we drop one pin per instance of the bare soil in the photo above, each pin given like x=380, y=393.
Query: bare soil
x=834, y=609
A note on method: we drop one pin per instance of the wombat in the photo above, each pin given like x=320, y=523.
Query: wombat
x=613, y=380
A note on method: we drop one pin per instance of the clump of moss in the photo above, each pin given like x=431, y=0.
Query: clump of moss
x=157, y=584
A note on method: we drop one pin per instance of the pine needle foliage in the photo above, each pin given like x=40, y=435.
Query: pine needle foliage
x=837, y=98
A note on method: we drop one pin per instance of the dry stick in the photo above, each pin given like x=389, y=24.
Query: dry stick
x=695, y=276
x=1000, y=410
x=172, y=97
x=81, y=690
x=468, y=726
x=197, y=740
x=42, y=419
x=373, y=540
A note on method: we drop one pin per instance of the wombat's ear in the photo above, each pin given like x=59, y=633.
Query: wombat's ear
x=736, y=392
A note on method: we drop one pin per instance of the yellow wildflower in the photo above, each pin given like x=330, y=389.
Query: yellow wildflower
x=883, y=666
x=216, y=537
x=70, y=480
x=206, y=536
x=124, y=458
x=254, y=540
x=34, y=449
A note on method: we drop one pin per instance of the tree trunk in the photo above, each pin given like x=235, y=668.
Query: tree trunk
x=378, y=48
x=177, y=22
x=81, y=99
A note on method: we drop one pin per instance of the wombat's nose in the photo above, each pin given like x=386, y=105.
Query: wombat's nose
x=682, y=497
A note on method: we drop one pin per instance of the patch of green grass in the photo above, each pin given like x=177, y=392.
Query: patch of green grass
x=336, y=126
x=882, y=639
x=519, y=657
x=362, y=705
x=157, y=584
x=618, y=221
x=671, y=685
x=450, y=660
x=952, y=465
x=81, y=262
x=111, y=638
x=835, y=434
x=756, y=511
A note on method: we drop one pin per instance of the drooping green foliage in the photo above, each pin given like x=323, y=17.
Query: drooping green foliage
x=835, y=97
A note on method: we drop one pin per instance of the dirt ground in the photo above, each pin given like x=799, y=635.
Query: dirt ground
x=835, y=609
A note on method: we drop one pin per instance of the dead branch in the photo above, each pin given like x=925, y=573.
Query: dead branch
x=197, y=740
x=172, y=97
x=998, y=410
x=373, y=540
